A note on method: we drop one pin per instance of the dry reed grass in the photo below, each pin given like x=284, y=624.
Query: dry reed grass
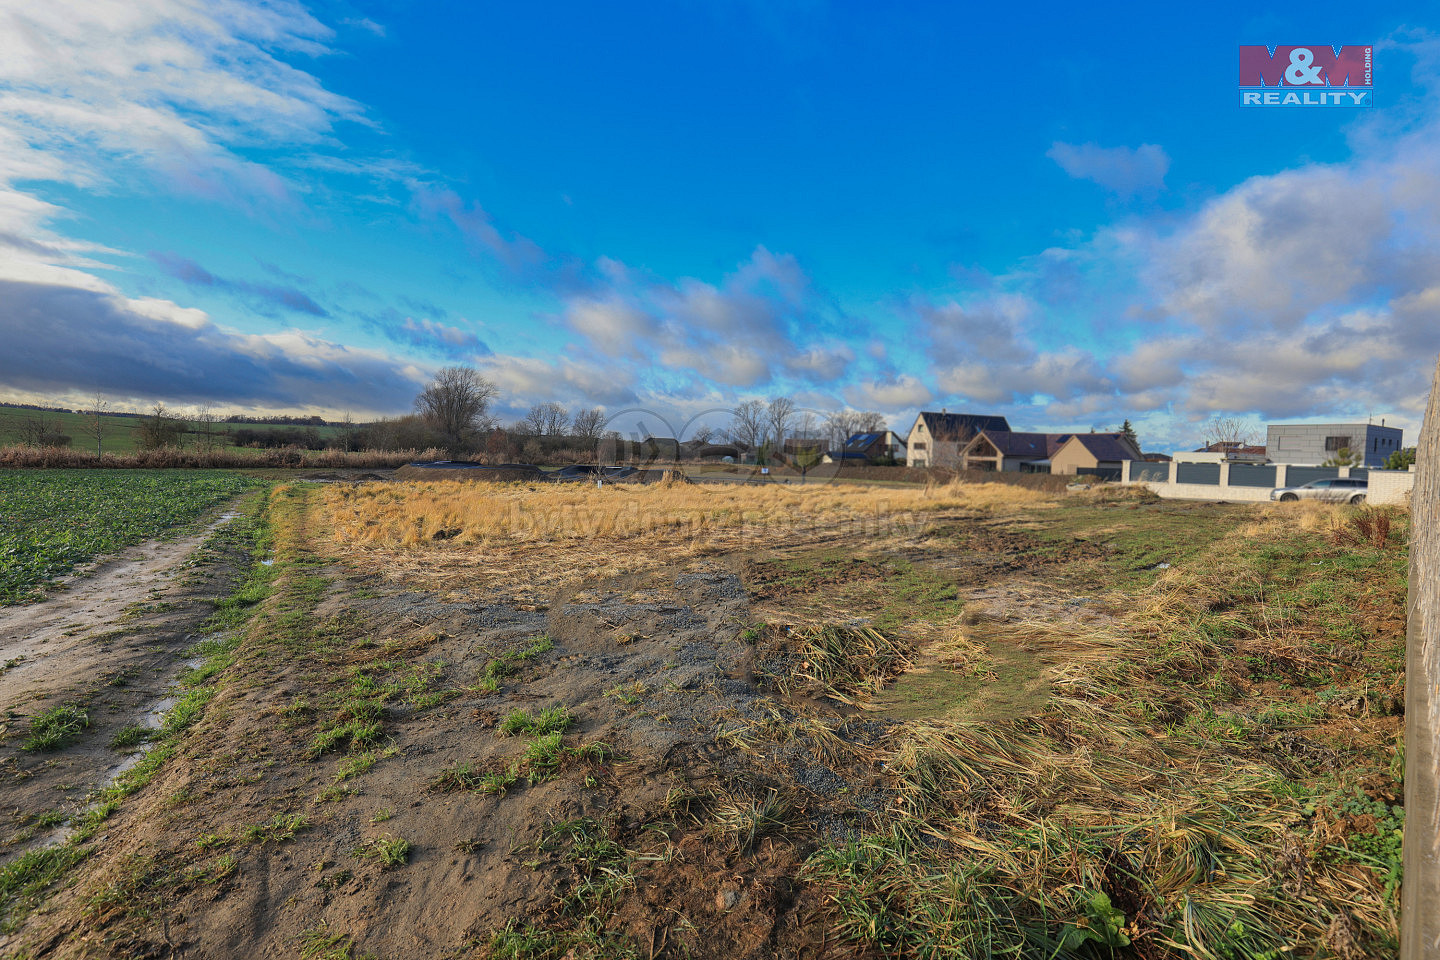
x=1129, y=791
x=542, y=533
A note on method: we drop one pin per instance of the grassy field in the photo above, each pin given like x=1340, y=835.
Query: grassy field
x=693, y=721
x=51, y=521
x=118, y=435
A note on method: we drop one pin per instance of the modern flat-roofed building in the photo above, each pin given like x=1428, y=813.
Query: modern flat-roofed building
x=1315, y=443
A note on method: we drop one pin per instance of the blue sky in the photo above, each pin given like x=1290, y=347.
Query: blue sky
x=1052, y=213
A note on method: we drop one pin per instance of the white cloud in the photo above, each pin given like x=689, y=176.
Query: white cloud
x=1127, y=171
x=903, y=392
x=761, y=323
x=96, y=94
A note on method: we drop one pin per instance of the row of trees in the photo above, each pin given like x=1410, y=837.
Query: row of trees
x=456, y=407
x=756, y=423
x=553, y=420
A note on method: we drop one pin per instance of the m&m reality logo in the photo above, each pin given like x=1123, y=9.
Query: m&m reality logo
x=1318, y=75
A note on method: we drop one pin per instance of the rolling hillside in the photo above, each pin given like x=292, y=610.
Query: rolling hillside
x=118, y=435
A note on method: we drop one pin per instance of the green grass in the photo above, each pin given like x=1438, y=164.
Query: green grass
x=24, y=881
x=388, y=851
x=280, y=828
x=517, y=941
x=131, y=736
x=508, y=664
x=602, y=871
x=52, y=521
x=552, y=720
x=1137, y=538
x=891, y=590
x=318, y=943
x=56, y=727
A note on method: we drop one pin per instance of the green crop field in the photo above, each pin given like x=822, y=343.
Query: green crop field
x=118, y=430
x=53, y=520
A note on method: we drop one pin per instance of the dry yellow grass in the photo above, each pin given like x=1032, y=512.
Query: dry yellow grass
x=412, y=514
x=537, y=534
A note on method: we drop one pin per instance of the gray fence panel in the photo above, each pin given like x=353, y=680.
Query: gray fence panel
x=1251, y=475
x=1149, y=472
x=1198, y=473
x=1102, y=473
x=1359, y=474
x=1295, y=476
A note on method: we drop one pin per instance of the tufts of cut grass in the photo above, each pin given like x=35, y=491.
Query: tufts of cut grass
x=131, y=736
x=280, y=828
x=517, y=941
x=544, y=754
x=54, y=728
x=359, y=763
x=508, y=664
x=224, y=865
x=849, y=664
x=318, y=943
x=388, y=851
x=459, y=777
x=24, y=880
x=353, y=735
x=187, y=710
x=550, y=720
x=746, y=821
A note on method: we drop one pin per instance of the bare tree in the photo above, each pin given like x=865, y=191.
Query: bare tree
x=557, y=420
x=207, y=438
x=96, y=422
x=456, y=405
x=747, y=424
x=40, y=432
x=870, y=422
x=778, y=416
x=160, y=429
x=839, y=426
x=347, y=432
x=1229, y=431
x=703, y=433
x=588, y=423
x=545, y=420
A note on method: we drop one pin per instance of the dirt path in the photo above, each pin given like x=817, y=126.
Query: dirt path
x=108, y=642
x=56, y=629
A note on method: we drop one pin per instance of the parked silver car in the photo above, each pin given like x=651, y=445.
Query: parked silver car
x=1338, y=490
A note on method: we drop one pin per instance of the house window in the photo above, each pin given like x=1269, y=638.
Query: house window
x=918, y=447
x=1337, y=443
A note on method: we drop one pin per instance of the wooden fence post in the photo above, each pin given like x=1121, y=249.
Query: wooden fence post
x=1420, y=896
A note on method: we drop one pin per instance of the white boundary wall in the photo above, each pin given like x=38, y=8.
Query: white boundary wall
x=1385, y=486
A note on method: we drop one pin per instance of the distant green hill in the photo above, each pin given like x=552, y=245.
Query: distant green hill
x=118, y=429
